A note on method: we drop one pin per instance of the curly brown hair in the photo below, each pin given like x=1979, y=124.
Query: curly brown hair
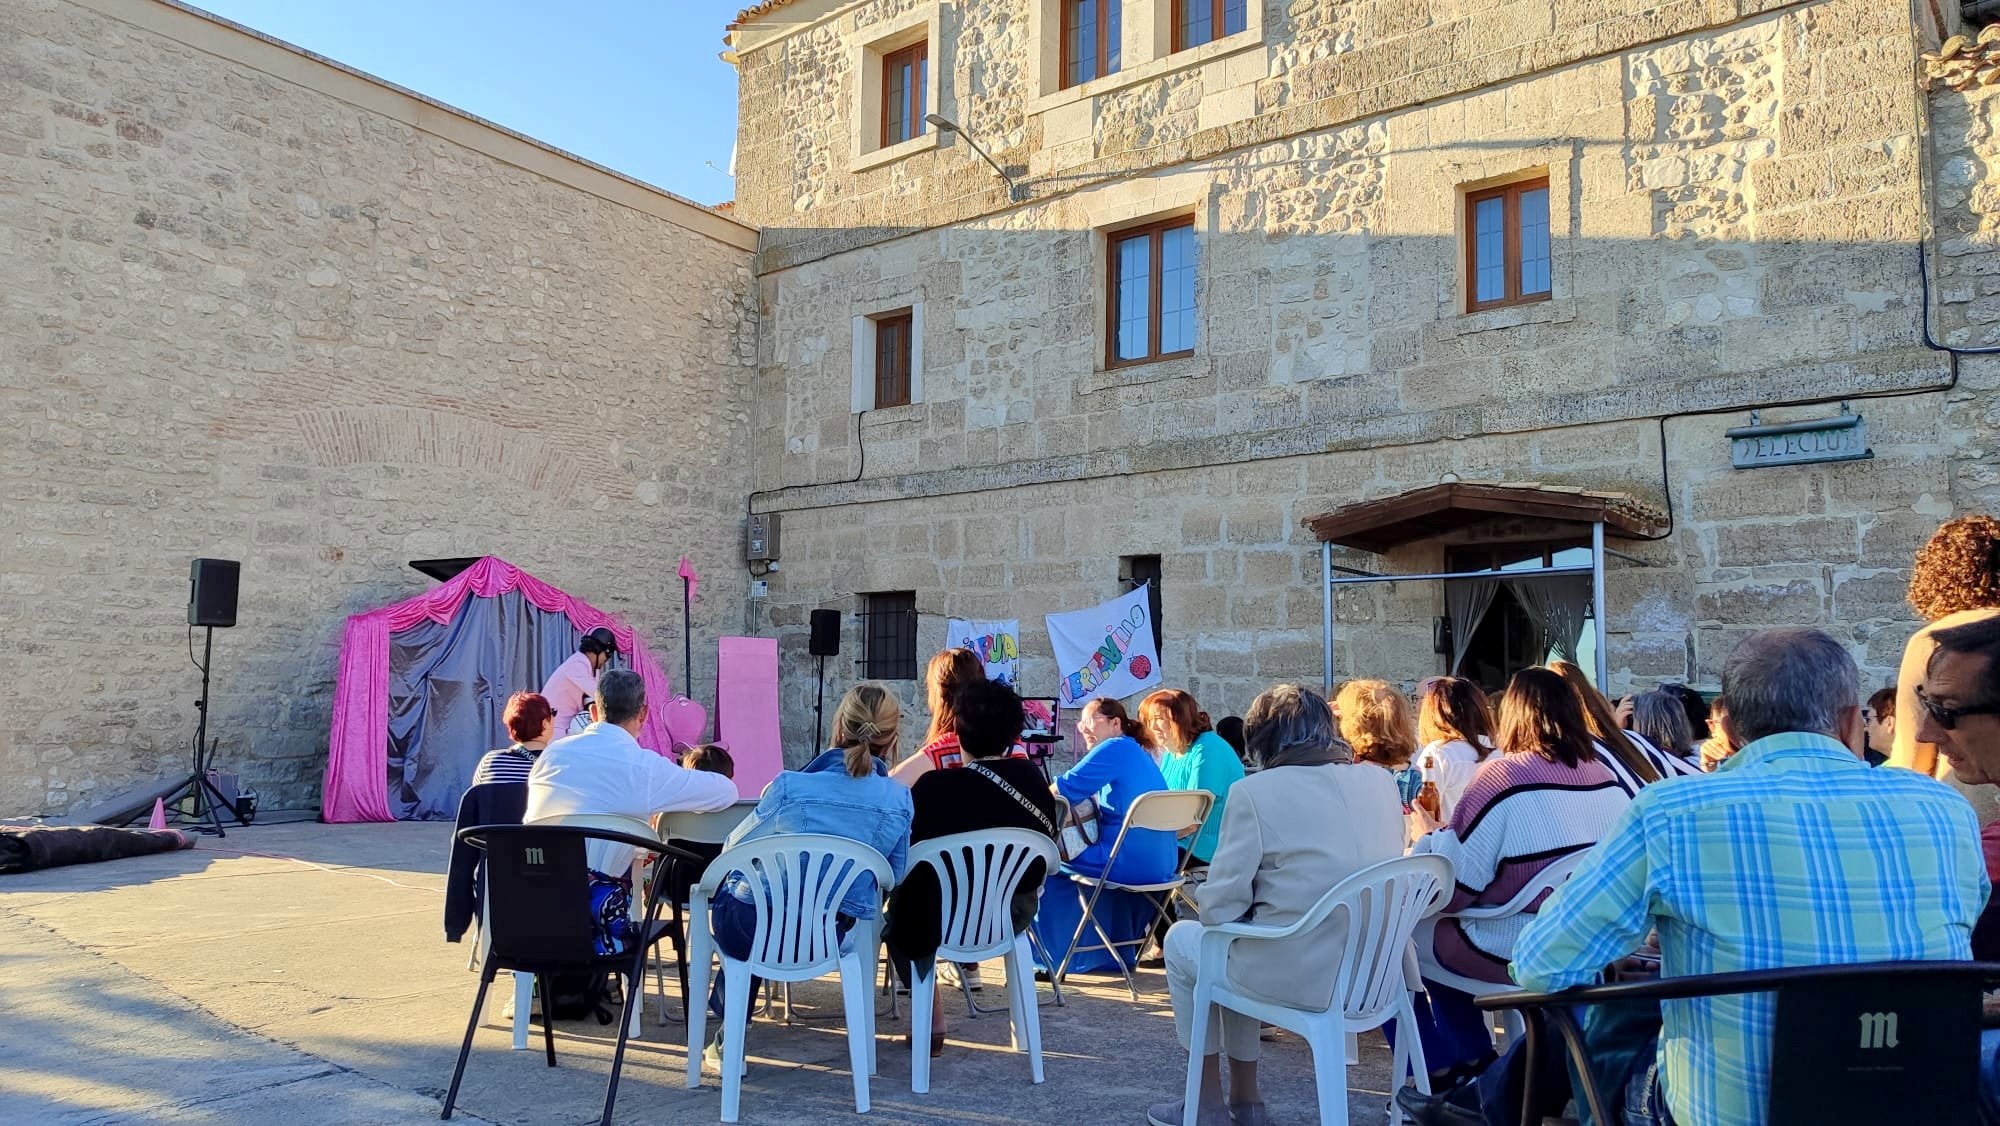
x=1959, y=569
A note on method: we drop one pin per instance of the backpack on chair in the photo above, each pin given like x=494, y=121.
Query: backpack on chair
x=577, y=996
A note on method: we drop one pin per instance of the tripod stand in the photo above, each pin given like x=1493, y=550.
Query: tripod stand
x=198, y=785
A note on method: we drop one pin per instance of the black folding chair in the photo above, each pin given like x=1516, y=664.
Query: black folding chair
x=1870, y=1042
x=538, y=914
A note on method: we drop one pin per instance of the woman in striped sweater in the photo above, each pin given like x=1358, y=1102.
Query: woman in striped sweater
x=1548, y=795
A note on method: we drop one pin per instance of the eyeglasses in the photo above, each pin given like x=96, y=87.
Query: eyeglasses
x=1948, y=718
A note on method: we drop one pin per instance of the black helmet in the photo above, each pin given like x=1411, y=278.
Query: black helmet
x=599, y=640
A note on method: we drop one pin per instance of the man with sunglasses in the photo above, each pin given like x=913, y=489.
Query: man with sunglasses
x=1958, y=711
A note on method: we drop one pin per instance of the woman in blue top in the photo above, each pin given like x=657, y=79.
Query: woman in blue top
x=1118, y=769
x=845, y=792
x=1196, y=759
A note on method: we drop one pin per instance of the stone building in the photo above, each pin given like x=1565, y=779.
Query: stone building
x=258, y=306
x=1437, y=279
x=1263, y=261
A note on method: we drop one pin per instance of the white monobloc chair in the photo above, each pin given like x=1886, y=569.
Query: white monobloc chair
x=797, y=881
x=1545, y=881
x=1170, y=811
x=978, y=874
x=1382, y=904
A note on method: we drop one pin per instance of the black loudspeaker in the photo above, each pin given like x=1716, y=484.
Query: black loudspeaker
x=825, y=633
x=212, y=592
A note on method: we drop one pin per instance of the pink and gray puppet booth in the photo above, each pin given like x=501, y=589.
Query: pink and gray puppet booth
x=423, y=684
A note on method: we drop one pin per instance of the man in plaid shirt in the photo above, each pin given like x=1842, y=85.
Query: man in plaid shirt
x=1794, y=853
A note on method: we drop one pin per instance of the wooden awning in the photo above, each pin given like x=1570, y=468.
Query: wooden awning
x=1381, y=525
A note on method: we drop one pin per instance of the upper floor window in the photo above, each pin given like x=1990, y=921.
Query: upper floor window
x=1507, y=245
x=905, y=77
x=892, y=358
x=1203, y=21
x=1152, y=311
x=1091, y=30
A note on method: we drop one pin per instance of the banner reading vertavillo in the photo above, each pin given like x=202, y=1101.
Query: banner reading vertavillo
x=1104, y=651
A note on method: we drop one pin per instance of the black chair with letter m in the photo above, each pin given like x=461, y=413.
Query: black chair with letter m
x=1882, y=1042
x=539, y=919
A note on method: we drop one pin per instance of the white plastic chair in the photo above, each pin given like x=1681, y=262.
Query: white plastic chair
x=978, y=874
x=1383, y=904
x=797, y=882
x=1169, y=811
x=1546, y=880
x=686, y=827
x=617, y=823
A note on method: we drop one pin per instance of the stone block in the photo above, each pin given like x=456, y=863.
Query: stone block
x=1794, y=602
x=1871, y=597
x=1829, y=539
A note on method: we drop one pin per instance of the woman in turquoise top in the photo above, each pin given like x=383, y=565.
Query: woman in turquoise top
x=1197, y=759
x=1118, y=769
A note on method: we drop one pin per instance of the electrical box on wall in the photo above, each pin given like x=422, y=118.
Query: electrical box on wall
x=761, y=542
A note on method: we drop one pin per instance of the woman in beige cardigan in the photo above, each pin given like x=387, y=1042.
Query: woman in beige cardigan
x=1954, y=581
x=1306, y=818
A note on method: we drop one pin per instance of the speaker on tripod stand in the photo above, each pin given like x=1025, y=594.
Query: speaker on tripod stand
x=212, y=586
x=824, y=643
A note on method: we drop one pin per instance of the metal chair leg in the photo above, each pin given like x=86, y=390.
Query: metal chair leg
x=465, y=1049
x=1042, y=954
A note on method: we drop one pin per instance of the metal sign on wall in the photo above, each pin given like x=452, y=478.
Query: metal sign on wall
x=1843, y=438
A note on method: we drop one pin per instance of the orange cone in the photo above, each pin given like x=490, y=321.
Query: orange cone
x=159, y=820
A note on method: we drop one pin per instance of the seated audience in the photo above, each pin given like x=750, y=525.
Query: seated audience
x=1274, y=860
x=1549, y=793
x=1455, y=723
x=1630, y=756
x=604, y=770
x=858, y=801
x=1118, y=770
x=1196, y=758
x=1843, y=865
x=1693, y=706
x=1375, y=720
x=710, y=758
x=1881, y=731
x=1720, y=744
x=1954, y=581
x=1660, y=718
x=532, y=722
x=1230, y=728
x=948, y=671
x=993, y=791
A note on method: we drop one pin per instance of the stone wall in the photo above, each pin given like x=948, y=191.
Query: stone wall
x=258, y=307
x=1737, y=203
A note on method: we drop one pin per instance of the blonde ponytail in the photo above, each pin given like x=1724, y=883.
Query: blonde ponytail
x=864, y=726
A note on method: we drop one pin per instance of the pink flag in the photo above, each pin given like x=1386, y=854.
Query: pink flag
x=688, y=576
x=159, y=820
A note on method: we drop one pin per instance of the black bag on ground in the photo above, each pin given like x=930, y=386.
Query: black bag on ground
x=577, y=996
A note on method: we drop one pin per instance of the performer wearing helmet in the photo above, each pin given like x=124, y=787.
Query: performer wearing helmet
x=575, y=680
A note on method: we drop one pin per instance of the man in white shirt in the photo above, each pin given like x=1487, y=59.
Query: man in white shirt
x=605, y=770
x=575, y=680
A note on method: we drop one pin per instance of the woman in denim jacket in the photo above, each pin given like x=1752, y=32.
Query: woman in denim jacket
x=845, y=792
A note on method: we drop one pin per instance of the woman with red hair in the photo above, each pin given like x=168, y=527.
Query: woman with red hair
x=531, y=720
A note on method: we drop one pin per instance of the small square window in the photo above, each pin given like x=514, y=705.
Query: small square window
x=1203, y=21
x=1136, y=569
x=1091, y=30
x=889, y=639
x=892, y=358
x=1507, y=245
x=905, y=77
x=1151, y=310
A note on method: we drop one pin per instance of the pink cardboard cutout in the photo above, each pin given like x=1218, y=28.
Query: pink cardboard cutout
x=746, y=709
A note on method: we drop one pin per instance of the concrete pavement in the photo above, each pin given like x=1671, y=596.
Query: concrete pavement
x=299, y=974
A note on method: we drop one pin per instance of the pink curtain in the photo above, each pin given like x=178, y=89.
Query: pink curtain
x=357, y=761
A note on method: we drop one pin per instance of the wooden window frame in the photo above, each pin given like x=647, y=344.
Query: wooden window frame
x=1510, y=248
x=890, y=627
x=1156, y=232
x=1177, y=12
x=917, y=57
x=905, y=319
x=1065, y=15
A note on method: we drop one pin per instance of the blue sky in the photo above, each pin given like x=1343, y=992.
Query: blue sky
x=634, y=85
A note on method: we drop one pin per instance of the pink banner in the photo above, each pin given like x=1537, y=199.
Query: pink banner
x=357, y=759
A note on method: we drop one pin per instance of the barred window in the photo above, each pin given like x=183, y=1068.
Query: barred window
x=889, y=645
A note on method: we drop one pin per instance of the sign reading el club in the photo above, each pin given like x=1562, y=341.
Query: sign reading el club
x=1843, y=438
